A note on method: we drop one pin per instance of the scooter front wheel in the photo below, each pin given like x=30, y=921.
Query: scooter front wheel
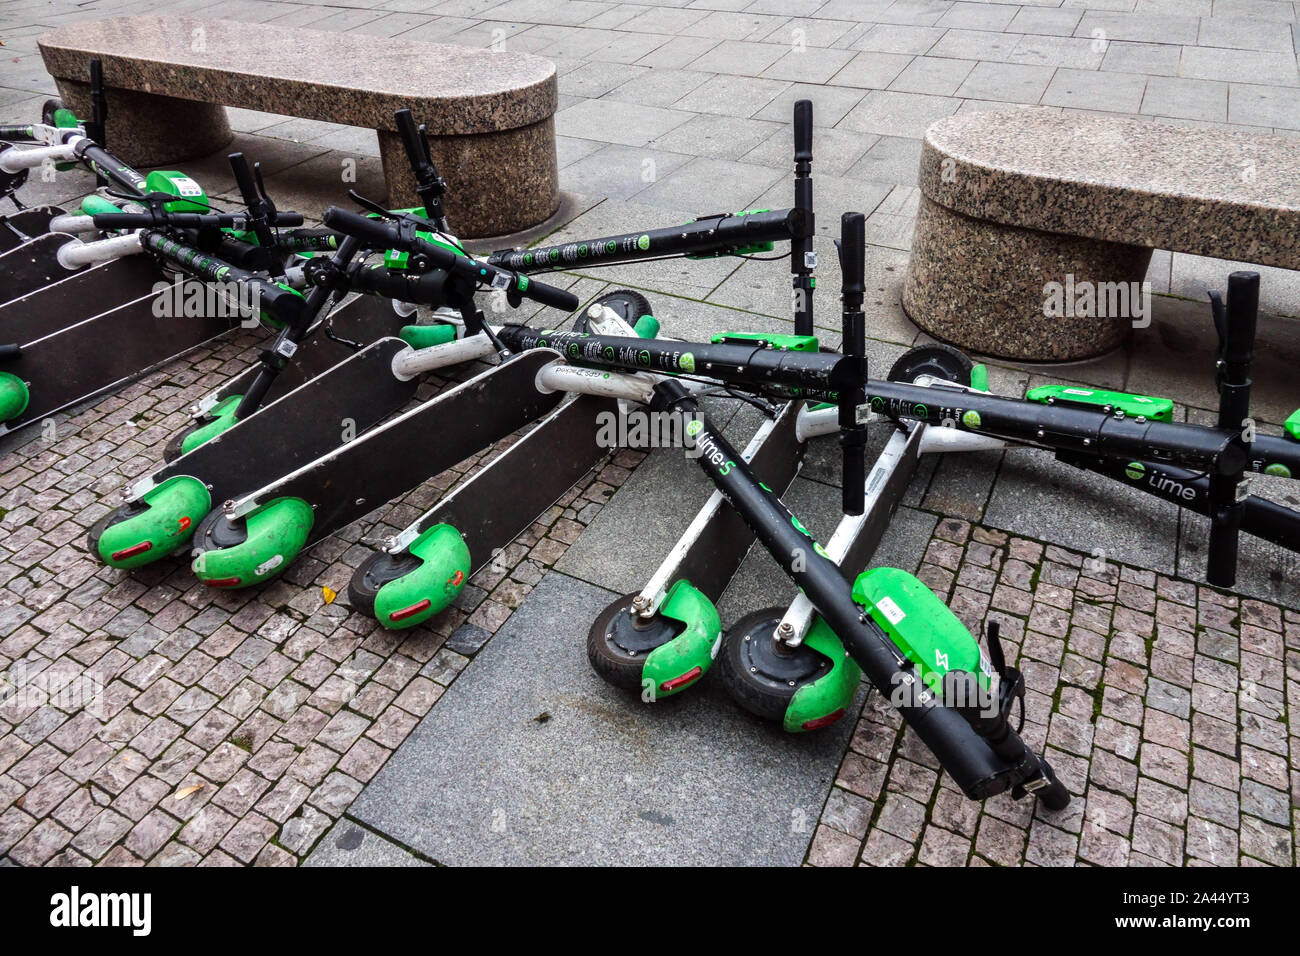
x=620, y=641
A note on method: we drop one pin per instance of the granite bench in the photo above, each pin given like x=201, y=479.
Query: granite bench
x=1036, y=228
x=490, y=116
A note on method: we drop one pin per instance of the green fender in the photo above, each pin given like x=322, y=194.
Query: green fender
x=276, y=532
x=921, y=626
x=827, y=699
x=420, y=594
x=422, y=336
x=223, y=417
x=674, y=666
x=172, y=511
x=1292, y=425
x=647, y=327
x=14, y=396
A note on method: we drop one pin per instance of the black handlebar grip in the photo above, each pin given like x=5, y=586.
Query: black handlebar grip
x=803, y=130
x=10, y=352
x=289, y=219
x=244, y=179
x=853, y=252
x=410, y=133
x=372, y=232
x=550, y=295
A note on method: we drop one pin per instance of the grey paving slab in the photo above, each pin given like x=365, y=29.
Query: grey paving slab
x=1039, y=497
x=529, y=758
x=349, y=844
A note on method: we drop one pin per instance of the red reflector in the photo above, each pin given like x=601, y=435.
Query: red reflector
x=693, y=674
x=132, y=551
x=823, y=721
x=222, y=582
x=406, y=612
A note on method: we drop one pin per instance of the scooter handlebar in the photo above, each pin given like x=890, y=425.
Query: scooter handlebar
x=184, y=220
x=384, y=235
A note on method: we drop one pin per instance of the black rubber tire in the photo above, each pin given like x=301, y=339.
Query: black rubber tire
x=172, y=450
x=614, y=664
x=49, y=108
x=763, y=698
x=628, y=304
x=96, y=530
x=941, y=361
x=373, y=573
x=1054, y=796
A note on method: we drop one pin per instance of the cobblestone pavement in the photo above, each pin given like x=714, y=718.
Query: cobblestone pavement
x=1162, y=703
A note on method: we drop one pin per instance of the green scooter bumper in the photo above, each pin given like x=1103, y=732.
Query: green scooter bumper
x=156, y=526
x=272, y=536
x=14, y=396
x=222, y=418
x=676, y=665
x=421, y=593
x=825, y=700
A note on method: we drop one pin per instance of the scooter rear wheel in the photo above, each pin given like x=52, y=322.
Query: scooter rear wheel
x=376, y=571
x=758, y=678
x=619, y=642
x=940, y=361
x=629, y=305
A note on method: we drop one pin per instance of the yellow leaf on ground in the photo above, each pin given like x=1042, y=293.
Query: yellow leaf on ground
x=184, y=792
x=330, y=594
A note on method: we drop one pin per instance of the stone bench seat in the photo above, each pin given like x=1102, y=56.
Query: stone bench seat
x=1017, y=205
x=490, y=116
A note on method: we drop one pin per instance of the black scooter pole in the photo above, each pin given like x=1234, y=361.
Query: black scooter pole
x=1237, y=351
x=802, y=259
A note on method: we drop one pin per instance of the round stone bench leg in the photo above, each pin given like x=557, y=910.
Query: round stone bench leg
x=145, y=129
x=1011, y=292
x=497, y=183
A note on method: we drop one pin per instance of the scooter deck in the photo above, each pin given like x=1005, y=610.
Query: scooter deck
x=366, y=318
x=498, y=504
x=82, y=295
x=33, y=265
x=25, y=225
x=83, y=360
x=710, y=551
x=396, y=457
x=298, y=428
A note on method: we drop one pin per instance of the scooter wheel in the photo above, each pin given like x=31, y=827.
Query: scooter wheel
x=940, y=361
x=376, y=571
x=173, y=450
x=629, y=305
x=758, y=678
x=619, y=642
x=49, y=108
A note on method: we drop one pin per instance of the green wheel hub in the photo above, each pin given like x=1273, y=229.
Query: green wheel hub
x=419, y=594
x=248, y=551
x=147, y=530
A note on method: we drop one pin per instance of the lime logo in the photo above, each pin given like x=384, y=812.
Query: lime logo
x=920, y=411
x=643, y=357
x=694, y=427
x=643, y=243
x=1279, y=470
x=528, y=259
x=582, y=251
x=555, y=254
x=1135, y=470
x=573, y=349
x=971, y=419
x=687, y=362
x=611, y=246
x=609, y=354
x=541, y=343
x=877, y=403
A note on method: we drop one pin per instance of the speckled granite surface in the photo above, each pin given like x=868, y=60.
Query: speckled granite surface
x=489, y=115
x=1016, y=199
x=980, y=286
x=1219, y=192
x=341, y=78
